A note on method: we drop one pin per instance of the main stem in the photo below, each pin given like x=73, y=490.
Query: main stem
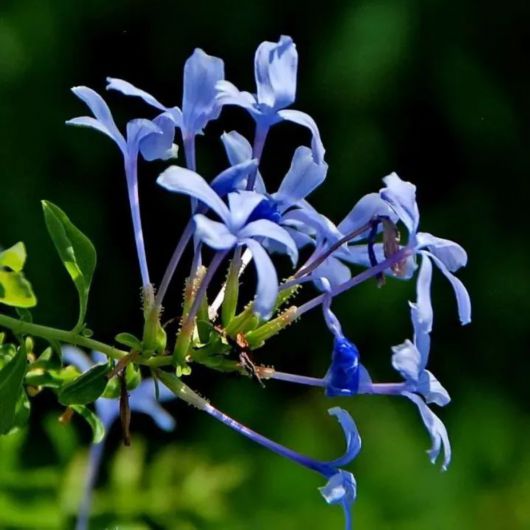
x=68, y=337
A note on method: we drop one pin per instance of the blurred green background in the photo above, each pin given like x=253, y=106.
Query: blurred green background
x=437, y=91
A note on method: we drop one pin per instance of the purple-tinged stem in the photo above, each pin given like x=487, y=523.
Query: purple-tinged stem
x=131, y=172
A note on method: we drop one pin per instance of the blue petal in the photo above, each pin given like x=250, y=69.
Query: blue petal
x=237, y=147
x=232, y=178
x=266, y=228
x=100, y=110
x=401, y=196
x=138, y=131
x=107, y=410
x=187, y=182
x=241, y=205
x=432, y=390
x=353, y=440
x=301, y=118
x=341, y=489
x=450, y=253
x=159, y=146
x=76, y=357
x=275, y=66
x=228, y=94
x=303, y=177
x=333, y=270
x=143, y=399
x=407, y=360
x=436, y=430
x=367, y=208
x=462, y=296
x=199, y=103
x=267, y=288
x=213, y=233
x=129, y=89
x=421, y=311
x=342, y=378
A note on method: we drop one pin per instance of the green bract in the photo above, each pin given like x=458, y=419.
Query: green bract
x=86, y=388
x=15, y=290
x=76, y=252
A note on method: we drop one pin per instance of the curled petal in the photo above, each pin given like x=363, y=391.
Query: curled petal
x=401, y=196
x=301, y=118
x=213, y=233
x=341, y=489
x=342, y=378
x=436, y=430
x=275, y=67
x=100, y=110
x=199, y=102
x=187, y=182
x=237, y=147
x=267, y=288
x=421, y=311
x=128, y=89
x=407, y=360
x=303, y=177
x=432, y=390
x=450, y=253
x=463, y=300
x=333, y=270
x=228, y=94
x=234, y=177
x=353, y=440
x=138, y=131
x=159, y=146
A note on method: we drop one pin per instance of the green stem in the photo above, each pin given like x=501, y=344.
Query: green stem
x=68, y=337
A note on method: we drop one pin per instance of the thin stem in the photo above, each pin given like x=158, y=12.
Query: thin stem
x=68, y=337
x=93, y=464
x=292, y=378
x=356, y=280
x=189, y=152
x=173, y=262
x=131, y=172
x=257, y=150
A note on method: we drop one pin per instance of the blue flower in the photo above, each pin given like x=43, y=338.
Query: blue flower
x=153, y=139
x=199, y=103
x=275, y=69
x=235, y=229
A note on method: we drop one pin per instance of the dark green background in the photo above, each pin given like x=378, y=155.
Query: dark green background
x=437, y=91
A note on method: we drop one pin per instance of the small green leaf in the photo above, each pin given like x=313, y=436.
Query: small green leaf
x=15, y=290
x=98, y=430
x=128, y=339
x=22, y=410
x=11, y=378
x=86, y=388
x=76, y=252
x=14, y=257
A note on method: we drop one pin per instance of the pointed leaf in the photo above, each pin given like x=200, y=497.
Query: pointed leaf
x=11, y=378
x=98, y=430
x=86, y=388
x=76, y=252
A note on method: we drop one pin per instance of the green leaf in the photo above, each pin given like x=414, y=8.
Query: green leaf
x=76, y=252
x=86, y=388
x=98, y=430
x=128, y=339
x=11, y=377
x=14, y=257
x=15, y=290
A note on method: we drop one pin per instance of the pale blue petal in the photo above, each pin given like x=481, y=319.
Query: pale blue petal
x=237, y=147
x=187, y=182
x=353, y=440
x=139, y=130
x=228, y=94
x=199, y=103
x=301, y=118
x=401, y=196
x=333, y=270
x=101, y=112
x=98, y=357
x=436, y=430
x=432, y=390
x=77, y=358
x=367, y=208
x=275, y=66
x=241, y=205
x=462, y=296
x=266, y=228
x=159, y=146
x=232, y=178
x=407, y=360
x=450, y=253
x=213, y=233
x=128, y=89
x=304, y=176
x=421, y=311
x=142, y=401
x=341, y=489
x=107, y=410
x=267, y=288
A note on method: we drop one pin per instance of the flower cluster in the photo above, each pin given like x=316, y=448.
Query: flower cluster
x=243, y=222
